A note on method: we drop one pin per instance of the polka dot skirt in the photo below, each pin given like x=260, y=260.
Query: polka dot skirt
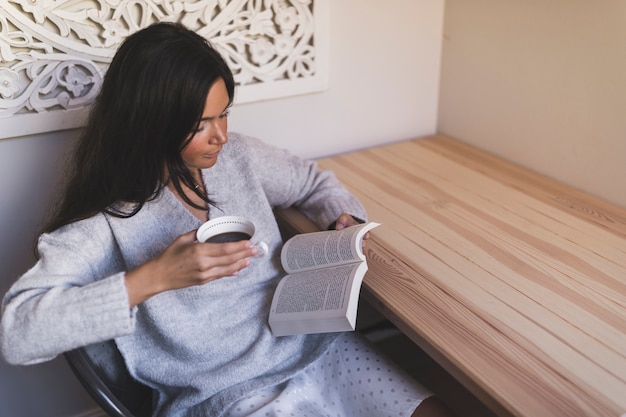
x=350, y=380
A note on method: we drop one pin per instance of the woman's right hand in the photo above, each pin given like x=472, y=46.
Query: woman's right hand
x=187, y=262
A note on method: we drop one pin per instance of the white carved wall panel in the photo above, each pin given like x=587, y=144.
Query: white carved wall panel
x=54, y=53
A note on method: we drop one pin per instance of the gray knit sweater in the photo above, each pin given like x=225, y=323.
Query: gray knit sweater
x=201, y=347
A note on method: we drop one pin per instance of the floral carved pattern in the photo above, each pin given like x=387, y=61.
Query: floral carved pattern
x=54, y=53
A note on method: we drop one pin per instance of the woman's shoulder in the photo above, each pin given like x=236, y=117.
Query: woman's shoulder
x=255, y=150
x=239, y=142
x=82, y=234
x=239, y=136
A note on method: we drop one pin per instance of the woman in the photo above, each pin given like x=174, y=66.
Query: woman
x=119, y=261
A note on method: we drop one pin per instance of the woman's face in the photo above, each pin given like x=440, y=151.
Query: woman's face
x=206, y=143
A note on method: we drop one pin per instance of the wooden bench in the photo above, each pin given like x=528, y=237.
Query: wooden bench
x=513, y=282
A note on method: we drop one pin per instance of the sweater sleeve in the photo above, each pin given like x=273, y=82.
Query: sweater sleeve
x=292, y=181
x=73, y=296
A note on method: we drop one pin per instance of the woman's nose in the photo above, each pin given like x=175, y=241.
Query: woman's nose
x=218, y=134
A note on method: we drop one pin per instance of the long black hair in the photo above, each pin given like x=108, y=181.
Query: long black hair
x=152, y=98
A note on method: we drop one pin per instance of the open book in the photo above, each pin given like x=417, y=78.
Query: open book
x=321, y=291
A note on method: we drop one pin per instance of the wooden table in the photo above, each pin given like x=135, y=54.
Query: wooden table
x=514, y=283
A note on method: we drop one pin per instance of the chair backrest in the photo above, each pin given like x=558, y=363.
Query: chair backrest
x=101, y=370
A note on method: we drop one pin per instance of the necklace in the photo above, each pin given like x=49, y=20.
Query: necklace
x=200, y=181
x=196, y=187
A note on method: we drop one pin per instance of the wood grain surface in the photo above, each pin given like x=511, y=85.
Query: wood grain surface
x=514, y=283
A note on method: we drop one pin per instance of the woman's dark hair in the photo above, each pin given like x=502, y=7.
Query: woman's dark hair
x=152, y=98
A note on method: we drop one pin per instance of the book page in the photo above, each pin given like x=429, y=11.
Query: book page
x=317, y=301
x=332, y=247
x=323, y=289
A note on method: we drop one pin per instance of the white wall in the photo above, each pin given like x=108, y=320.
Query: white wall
x=384, y=75
x=384, y=83
x=541, y=83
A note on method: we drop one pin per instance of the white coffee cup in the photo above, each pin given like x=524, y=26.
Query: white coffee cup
x=229, y=229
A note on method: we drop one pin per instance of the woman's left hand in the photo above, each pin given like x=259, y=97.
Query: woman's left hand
x=346, y=220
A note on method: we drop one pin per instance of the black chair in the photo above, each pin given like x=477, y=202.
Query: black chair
x=102, y=372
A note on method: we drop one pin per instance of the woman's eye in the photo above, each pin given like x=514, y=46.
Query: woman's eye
x=200, y=127
x=205, y=123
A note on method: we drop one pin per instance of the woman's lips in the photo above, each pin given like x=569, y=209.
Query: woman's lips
x=212, y=154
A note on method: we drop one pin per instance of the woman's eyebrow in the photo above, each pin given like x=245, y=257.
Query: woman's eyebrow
x=213, y=117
